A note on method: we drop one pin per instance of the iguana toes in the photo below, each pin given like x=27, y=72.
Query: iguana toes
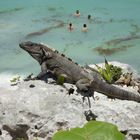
x=56, y=63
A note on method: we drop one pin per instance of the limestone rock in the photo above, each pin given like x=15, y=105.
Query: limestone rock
x=47, y=108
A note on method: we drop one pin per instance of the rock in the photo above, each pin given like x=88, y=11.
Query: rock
x=47, y=108
x=31, y=86
x=0, y=132
x=126, y=79
x=17, y=131
x=139, y=88
x=29, y=77
x=70, y=91
x=90, y=115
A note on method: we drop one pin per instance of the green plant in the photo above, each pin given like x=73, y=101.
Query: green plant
x=20, y=139
x=110, y=73
x=15, y=79
x=60, y=80
x=93, y=130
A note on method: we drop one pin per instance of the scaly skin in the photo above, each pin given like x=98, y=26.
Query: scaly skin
x=56, y=63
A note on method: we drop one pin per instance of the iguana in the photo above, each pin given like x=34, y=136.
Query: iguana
x=59, y=65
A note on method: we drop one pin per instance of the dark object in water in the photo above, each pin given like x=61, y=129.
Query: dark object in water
x=10, y=10
x=110, y=51
x=51, y=9
x=43, y=31
x=89, y=17
x=120, y=40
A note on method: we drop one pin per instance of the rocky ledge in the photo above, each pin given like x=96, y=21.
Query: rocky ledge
x=36, y=109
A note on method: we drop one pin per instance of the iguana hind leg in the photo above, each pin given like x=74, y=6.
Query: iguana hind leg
x=83, y=86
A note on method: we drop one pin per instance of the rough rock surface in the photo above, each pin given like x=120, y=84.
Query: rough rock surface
x=38, y=109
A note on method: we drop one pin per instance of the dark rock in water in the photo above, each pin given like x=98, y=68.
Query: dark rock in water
x=10, y=10
x=45, y=30
x=109, y=51
x=32, y=86
x=17, y=131
x=0, y=132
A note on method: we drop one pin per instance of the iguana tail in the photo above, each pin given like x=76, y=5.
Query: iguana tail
x=114, y=92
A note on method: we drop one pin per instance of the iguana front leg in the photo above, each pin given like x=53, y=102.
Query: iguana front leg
x=42, y=75
x=43, y=71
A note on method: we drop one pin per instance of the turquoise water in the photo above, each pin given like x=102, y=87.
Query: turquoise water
x=115, y=26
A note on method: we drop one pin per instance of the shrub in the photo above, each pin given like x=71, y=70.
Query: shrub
x=110, y=73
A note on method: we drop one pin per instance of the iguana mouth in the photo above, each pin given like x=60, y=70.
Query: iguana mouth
x=25, y=45
x=21, y=45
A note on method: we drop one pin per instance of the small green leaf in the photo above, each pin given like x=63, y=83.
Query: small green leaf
x=60, y=80
x=93, y=130
x=15, y=79
x=107, y=66
x=99, y=69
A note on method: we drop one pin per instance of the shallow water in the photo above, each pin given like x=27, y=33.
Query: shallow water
x=115, y=24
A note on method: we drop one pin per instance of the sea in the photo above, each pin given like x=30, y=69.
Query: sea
x=113, y=32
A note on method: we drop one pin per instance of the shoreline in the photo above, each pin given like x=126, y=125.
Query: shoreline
x=5, y=77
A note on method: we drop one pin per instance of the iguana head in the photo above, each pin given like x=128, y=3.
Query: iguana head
x=36, y=50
